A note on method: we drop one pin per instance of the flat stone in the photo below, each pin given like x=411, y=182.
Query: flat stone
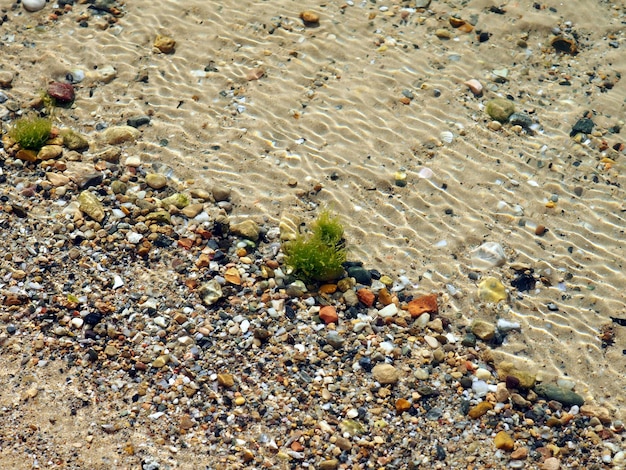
x=156, y=180
x=111, y=350
x=120, y=134
x=331, y=464
x=560, y=394
x=186, y=423
x=366, y=297
x=221, y=193
x=491, y=289
x=226, y=380
x=483, y=330
x=75, y=141
x=247, y=229
x=424, y=304
x=57, y=179
x=49, y=152
x=385, y=374
x=161, y=361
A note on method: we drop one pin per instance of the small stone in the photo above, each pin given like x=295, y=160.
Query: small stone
x=560, y=394
x=310, y=18
x=255, y=74
x=328, y=314
x=595, y=411
x=480, y=409
x=475, y=87
x=331, y=464
x=360, y=274
x=186, y=423
x=226, y=380
x=156, y=180
x=161, y=217
x=6, y=79
x=49, y=152
x=504, y=441
x=443, y=33
x=232, y=275
x=138, y=121
x=165, y=44
x=515, y=378
x=385, y=297
x=74, y=141
x=161, y=361
x=120, y=134
x=90, y=205
x=502, y=393
x=111, y=351
x=491, y=289
x=540, y=230
x=500, y=109
x=494, y=125
x=192, y=210
x=62, y=93
x=247, y=229
x=402, y=405
x=57, y=179
x=221, y=193
x=335, y=340
x=210, y=292
x=521, y=453
x=366, y=297
x=488, y=255
x=424, y=304
x=33, y=5
x=483, y=330
x=551, y=463
x=385, y=374
x=178, y=200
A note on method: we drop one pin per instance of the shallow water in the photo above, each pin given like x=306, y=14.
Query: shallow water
x=327, y=111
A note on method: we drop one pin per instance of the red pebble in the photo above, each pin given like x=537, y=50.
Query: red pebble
x=366, y=297
x=63, y=93
x=328, y=314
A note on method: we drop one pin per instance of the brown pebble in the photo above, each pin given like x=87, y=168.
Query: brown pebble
x=366, y=297
x=186, y=422
x=225, y=380
x=405, y=100
x=521, y=453
x=310, y=18
x=540, y=230
x=255, y=74
x=385, y=297
x=165, y=44
x=480, y=409
x=402, y=405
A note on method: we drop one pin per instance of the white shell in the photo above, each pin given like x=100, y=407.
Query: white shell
x=488, y=255
x=447, y=137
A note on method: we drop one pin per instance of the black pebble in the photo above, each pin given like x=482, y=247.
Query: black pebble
x=362, y=275
x=583, y=125
x=366, y=363
x=138, y=121
x=524, y=282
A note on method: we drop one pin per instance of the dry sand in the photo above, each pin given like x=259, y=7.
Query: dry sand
x=328, y=112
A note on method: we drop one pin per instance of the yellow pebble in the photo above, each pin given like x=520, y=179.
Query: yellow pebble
x=240, y=401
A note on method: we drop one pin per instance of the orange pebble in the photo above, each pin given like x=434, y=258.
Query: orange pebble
x=328, y=314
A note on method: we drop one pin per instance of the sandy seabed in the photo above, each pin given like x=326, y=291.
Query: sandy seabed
x=254, y=100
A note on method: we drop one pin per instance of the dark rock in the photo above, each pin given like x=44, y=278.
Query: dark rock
x=361, y=275
x=366, y=364
x=62, y=93
x=93, y=318
x=521, y=119
x=138, y=121
x=583, y=125
x=524, y=282
x=562, y=395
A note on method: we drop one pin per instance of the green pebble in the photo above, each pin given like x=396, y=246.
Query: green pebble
x=499, y=109
x=562, y=395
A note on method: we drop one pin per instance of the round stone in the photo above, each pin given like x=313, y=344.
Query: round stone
x=385, y=374
x=156, y=180
x=33, y=5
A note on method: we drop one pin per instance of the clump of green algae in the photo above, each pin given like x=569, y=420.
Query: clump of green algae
x=318, y=256
x=31, y=132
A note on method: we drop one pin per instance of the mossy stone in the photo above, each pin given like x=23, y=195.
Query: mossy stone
x=562, y=395
x=74, y=141
x=178, y=200
x=499, y=109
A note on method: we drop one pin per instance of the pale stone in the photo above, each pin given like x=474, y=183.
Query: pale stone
x=120, y=134
x=247, y=229
x=33, y=5
x=57, y=179
x=90, y=205
x=49, y=152
x=385, y=374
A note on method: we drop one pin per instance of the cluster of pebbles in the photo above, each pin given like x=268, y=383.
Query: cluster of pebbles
x=183, y=339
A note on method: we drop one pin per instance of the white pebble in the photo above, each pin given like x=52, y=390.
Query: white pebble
x=352, y=413
x=245, y=326
x=33, y=5
x=77, y=322
x=505, y=325
x=388, y=311
x=134, y=237
x=480, y=388
x=425, y=173
x=117, y=282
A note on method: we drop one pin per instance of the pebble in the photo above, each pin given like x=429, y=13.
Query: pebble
x=560, y=394
x=310, y=18
x=165, y=44
x=480, y=409
x=551, y=463
x=488, y=255
x=424, y=304
x=491, y=289
x=156, y=180
x=90, y=205
x=475, y=87
x=483, y=330
x=33, y=5
x=247, y=229
x=504, y=441
x=6, y=81
x=385, y=374
x=500, y=109
x=226, y=380
x=331, y=464
x=366, y=297
x=62, y=93
x=120, y=134
x=328, y=314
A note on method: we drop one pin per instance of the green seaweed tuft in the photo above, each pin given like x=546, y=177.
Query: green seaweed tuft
x=31, y=132
x=318, y=256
